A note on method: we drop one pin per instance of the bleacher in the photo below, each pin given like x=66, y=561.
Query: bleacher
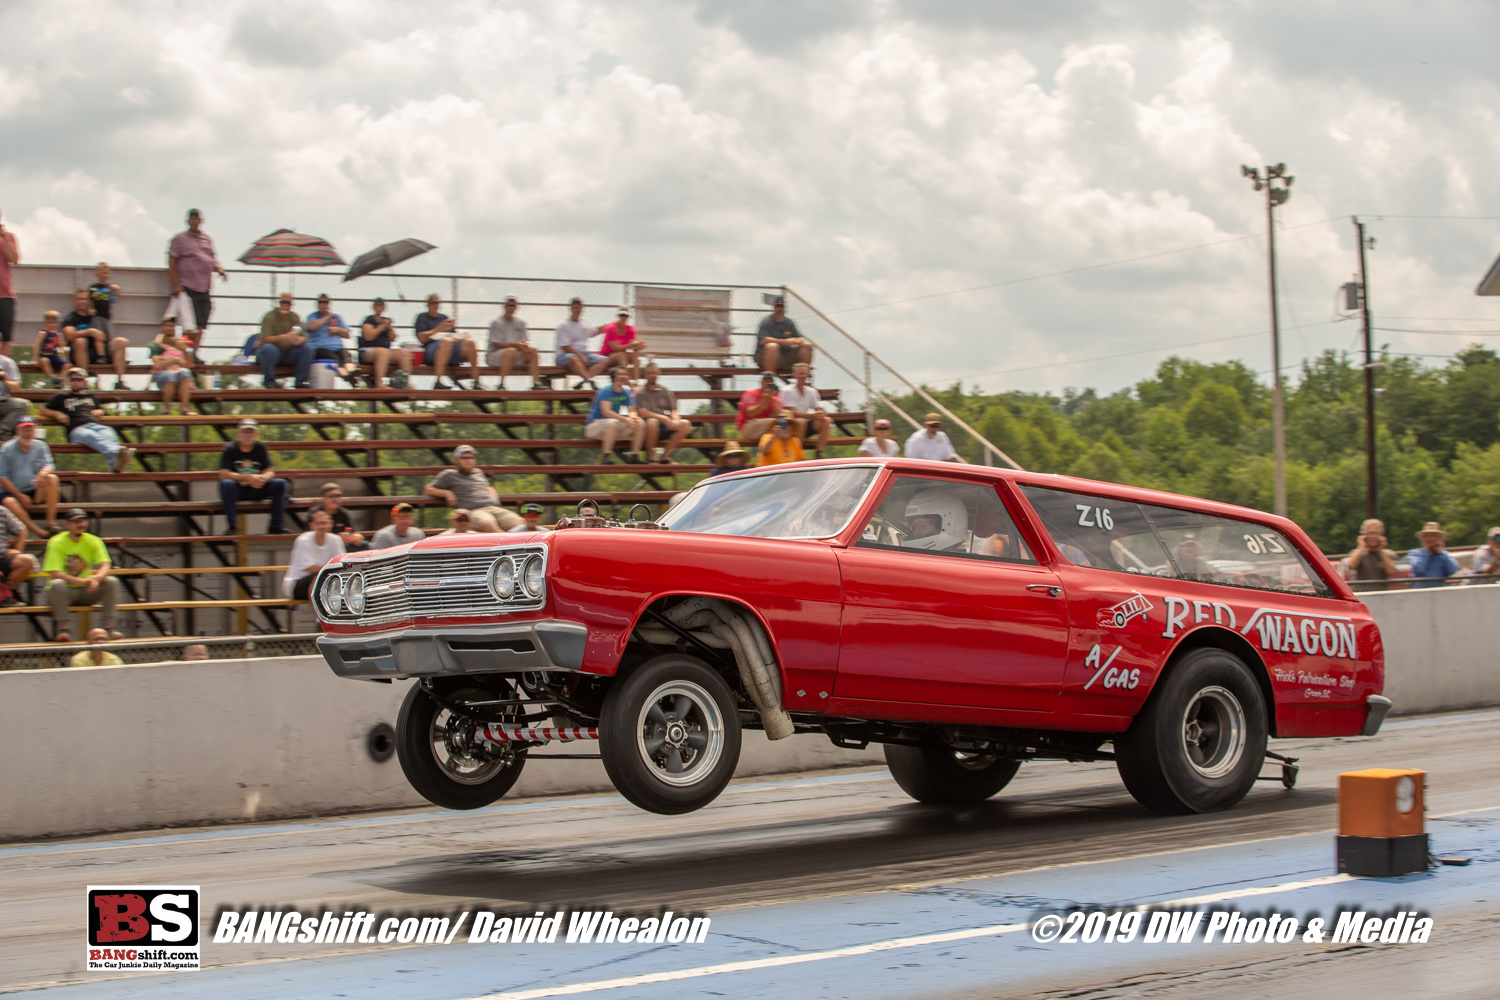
x=186, y=572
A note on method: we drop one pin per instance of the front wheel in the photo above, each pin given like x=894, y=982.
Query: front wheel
x=441, y=758
x=669, y=735
x=941, y=775
x=1198, y=744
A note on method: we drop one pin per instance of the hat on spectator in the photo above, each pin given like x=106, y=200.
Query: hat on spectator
x=624, y=312
x=459, y=512
x=768, y=375
x=778, y=301
x=1492, y=533
x=575, y=300
x=1372, y=526
x=532, y=508
x=26, y=420
x=249, y=422
x=464, y=449
x=932, y=418
x=509, y=299
x=377, y=299
x=403, y=508
x=75, y=514
x=77, y=373
x=882, y=424
x=327, y=488
x=729, y=449
x=1432, y=528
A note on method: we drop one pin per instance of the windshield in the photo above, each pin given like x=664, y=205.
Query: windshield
x=814, y=503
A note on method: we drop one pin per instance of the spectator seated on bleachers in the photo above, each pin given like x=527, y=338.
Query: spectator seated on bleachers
x=780, y=444
x=377, y=347
x=11, y=408
x=79, y=412
x=778, y=341
x=281, y=342
x=442, y=344
x=465, y=486
x=621, y=345
x=89, y=339
x=310, y=552
x=79, y=567
x=758, y=408
x=333, y=503
x=459, y=523
x=806, y=406
x=400, y=530
x=657, y=406
x=328, y=336
x=49, y=347
x=172, y=360
x=28, y=478
x=532, y=515
x=572, y=345
x=245, y=473
x=510, y=342
x=731, y=458
x=613, y=412
x=15, y=563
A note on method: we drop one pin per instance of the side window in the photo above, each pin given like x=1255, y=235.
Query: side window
x=1101, y=532
x=1236, y=553
x=956, y=519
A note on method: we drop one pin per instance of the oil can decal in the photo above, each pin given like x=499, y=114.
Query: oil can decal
x=1120, y=615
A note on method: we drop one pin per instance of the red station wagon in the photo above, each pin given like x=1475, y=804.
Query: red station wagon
x=966, y=618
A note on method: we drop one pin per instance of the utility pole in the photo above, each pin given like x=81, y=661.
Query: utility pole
x=1277, y=185
x=1372, y=496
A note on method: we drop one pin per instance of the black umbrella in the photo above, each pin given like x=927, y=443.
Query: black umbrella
x=386, y=256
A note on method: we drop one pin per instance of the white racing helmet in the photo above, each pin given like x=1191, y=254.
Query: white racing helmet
x=942, y=504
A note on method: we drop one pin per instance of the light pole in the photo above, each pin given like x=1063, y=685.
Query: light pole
x=1277, y=185
x=1359, y=298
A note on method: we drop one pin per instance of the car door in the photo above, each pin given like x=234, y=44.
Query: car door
x=944, y=603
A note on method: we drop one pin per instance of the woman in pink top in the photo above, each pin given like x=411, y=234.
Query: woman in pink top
x=622, y=346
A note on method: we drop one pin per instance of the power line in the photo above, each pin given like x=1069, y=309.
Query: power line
x=1442, y=333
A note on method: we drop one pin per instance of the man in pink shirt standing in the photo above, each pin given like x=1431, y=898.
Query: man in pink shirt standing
x=621, y=346
x=10, y=253
x=191, y=264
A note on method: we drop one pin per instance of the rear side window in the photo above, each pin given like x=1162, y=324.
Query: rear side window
x=1100, y=532
x=1105, y=533
x=1238, y=553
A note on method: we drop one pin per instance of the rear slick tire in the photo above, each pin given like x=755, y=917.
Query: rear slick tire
x=940, y=775
x=434, y=751
x=1199, y=742
x=669, y=735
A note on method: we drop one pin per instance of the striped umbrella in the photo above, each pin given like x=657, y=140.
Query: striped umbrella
x=284, y=248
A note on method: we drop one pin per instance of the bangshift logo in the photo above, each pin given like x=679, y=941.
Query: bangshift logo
x=145, y=928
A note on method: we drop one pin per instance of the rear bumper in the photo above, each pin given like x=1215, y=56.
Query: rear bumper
x=1376, y=707
x=418, y=652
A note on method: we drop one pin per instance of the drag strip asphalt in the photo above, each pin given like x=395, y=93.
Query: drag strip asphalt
x=783, y=853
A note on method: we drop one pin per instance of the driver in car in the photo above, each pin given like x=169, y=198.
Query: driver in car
x=1190, y=561
x=938, y=520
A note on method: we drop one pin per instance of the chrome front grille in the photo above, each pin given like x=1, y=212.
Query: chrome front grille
x=441, y=584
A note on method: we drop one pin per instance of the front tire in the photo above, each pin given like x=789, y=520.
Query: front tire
x=941, y=775
x=670, y=735
x=437, y=754
x=1198, y=744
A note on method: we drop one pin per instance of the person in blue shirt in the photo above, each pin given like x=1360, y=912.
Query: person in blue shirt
x=1430, y=565
x=613, y=410
x=326, y=335
x=27, y=477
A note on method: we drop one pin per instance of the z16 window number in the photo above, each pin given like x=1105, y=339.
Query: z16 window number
x=1263, y=543
x=1095, y=517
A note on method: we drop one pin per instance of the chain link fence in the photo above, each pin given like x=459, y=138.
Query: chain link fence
x=238, y=647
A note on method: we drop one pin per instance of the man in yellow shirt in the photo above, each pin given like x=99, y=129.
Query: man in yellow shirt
x=95, y=657
x=779, y=445
x=79, y=566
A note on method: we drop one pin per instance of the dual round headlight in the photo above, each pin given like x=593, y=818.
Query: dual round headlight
x=333, y=593
x=523, y=575
x=343, y=591
x=503, y=579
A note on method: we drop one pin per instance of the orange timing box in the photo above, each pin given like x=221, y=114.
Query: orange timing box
x=1381, y=802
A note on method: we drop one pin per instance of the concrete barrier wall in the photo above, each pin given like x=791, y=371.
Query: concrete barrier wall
x=93, y=749
x=150, y=745
x=1439, y=652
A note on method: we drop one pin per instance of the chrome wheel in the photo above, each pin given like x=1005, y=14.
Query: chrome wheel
x=974, y=761
x=1214, y=732
x=680, y=733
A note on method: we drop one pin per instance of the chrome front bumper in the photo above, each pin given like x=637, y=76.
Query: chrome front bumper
x=418, y=652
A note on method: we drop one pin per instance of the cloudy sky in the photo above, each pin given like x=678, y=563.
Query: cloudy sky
x=864, y=153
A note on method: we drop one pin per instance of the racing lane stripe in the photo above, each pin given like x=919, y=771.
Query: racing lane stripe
x=877, y=946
